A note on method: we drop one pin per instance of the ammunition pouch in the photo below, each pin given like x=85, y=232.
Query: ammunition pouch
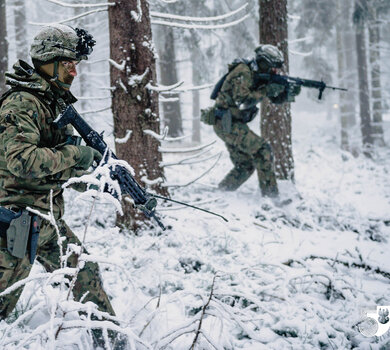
x=6, y=216
x=18, y=234
x=210, y=115
x=226, y=119
x=249, y=114
x=20, y=228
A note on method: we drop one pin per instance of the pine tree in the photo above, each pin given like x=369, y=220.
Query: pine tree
x=276, y=119
x=134, y=106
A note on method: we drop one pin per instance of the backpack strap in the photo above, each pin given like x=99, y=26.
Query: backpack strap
x=234, y=64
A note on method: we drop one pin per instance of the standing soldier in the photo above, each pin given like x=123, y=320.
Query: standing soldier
x=236, y=95
x=36, y=159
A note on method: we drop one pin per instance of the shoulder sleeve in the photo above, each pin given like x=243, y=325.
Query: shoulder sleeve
x=19, y=141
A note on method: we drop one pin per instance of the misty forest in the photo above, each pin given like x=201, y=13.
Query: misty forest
x=301, y=273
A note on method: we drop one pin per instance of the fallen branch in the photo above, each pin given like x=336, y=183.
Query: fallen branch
x=345, y=263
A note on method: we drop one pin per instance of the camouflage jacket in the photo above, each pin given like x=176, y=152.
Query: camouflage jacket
x=237, y=89
x=34, y=156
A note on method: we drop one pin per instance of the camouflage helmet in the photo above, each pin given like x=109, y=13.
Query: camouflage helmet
x=269, y=56
x=61, y=42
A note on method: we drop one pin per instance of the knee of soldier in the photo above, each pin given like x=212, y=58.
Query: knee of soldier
x=265, y=152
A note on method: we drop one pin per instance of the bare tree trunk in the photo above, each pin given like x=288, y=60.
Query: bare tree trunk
x=364, y=98
x=276, y=119
x=196, y=80
x=376, y=89
x=346, y=74
x=21, y=30
x=84, y=68
x=134, y=106
x=3, y=46
x=168, y=76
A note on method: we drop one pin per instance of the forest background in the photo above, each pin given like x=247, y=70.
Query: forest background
x=297, y=277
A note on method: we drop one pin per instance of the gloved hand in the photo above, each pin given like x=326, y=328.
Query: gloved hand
x=87, y=157
x=294, y=90
x=273, y=89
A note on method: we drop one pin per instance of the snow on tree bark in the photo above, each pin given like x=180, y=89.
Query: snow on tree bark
x=134, y=107
x=276, y=119
x=3, y=46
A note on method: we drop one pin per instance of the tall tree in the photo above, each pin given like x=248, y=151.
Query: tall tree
x=346, y=72
x=359, y=18
x=3, y=46
x=20, y=29
x=134, y=106
x=165, y=44
x=276, y=119
x=376, y=89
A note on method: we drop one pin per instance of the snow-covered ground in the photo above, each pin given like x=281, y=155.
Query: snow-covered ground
x=294, y=277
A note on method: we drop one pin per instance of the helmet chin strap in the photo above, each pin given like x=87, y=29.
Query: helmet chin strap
x=56, y=80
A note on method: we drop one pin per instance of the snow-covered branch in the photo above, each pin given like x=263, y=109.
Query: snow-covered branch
x=201, y=26
x=164, y=88
x=188, y=88
x=163, y=136
x=196, y=19
x=68, y=19
x=95, y=110
x=125, y=138
x=121, y=66
x=303, y=54
x=57, y=2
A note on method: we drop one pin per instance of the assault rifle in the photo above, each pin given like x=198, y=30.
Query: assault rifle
x=285, y=80
x=143, y=200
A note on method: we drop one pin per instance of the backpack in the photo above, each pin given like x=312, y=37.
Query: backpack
x=218, y=85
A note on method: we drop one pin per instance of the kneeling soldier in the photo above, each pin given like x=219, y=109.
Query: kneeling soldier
x=236, y=95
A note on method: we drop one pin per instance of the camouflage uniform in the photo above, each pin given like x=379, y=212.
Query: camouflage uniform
x=36, y=158
x=247, y=150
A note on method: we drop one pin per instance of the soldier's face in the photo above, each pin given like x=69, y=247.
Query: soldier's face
x=67, y=71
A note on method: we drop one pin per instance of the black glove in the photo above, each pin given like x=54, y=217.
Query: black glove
x=273, y=89
x=87, y=156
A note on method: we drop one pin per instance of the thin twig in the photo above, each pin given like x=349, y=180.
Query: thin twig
x=205, y=306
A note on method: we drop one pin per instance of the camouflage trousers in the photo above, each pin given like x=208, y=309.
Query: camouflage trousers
x=248, y=152
x=13, y=269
